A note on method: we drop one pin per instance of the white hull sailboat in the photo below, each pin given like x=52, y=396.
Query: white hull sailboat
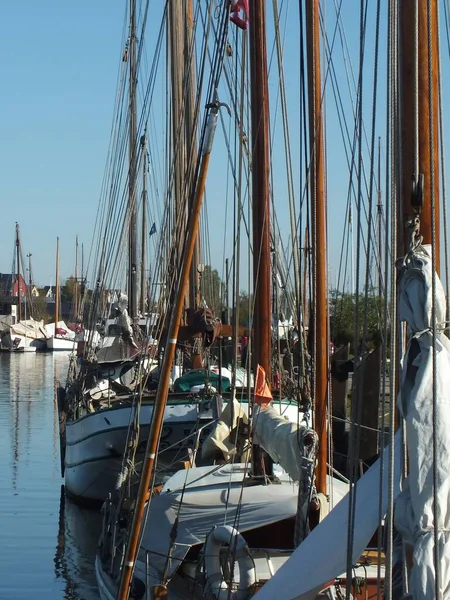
x=96, y=444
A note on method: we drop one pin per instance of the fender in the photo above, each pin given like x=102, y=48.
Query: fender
x=215, y=584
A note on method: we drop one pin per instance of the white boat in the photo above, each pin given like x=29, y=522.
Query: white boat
x=95, y=444
x=27, y=335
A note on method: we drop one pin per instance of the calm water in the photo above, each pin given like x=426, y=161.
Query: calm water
x=47, y=543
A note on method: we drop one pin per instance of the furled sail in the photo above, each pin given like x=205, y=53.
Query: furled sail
x=321, y=557
x=416, y=516
x=287, y=443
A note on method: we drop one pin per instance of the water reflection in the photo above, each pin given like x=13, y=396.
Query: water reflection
x=50, y=542
x=78, y=533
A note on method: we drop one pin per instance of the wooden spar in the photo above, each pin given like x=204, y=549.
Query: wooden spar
x=320, y=301
x=169, y=354
x=262, y=321
x=175, y=42
x=380, y=228
x=132, y=247
x=144, y=221
x=262, y=314
x=407, y=56
x=75, y=284
x=57, y=286
x=190, y=136
x=19, y=299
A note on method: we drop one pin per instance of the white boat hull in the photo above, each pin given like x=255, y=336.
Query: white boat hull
x=61, y=344
x=95, y=443
x=21, y=343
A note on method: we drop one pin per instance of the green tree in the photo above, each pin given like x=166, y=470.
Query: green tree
x=245, y=307
x=342, y=318
x=212, y=289
x=68, y=290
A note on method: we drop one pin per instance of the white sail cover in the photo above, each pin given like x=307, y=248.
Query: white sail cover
x=29, y=328
x=281, y=439
x=415, y=513
x=322, y=557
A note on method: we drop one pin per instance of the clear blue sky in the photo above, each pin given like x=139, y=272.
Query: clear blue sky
x=59, y=68
x=59, y=65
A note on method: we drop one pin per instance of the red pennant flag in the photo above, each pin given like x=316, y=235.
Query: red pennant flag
x=263, y=395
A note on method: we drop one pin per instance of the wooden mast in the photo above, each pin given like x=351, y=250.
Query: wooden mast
x=169, y=354
x=190, y=136
x=75, y=294
x=262, y=321
x=19, y=299
x=132, y=212
x=144, y=221
x=409, y=135
x=262, y=314
x=320, y=333
x=57, y=286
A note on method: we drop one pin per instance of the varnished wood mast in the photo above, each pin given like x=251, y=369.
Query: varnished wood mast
x=318, y=245
x=407, y=118
x=169, y=354
x=262, y=315
x=57, y=287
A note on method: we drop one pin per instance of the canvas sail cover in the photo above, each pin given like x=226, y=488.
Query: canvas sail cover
x=29, y=328
x=321, y=557
x=415, y=515
x=283, y=440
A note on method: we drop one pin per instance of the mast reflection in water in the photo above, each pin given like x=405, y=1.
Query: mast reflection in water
x=48, y=542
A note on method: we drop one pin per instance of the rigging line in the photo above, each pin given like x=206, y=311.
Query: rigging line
x=119, y=85
x=287, y=143
x=446, y=11
x=347, y=61
x=436, y=512
x=392, y=162
x=443, y=176
x=372, y=168
x=343, y=121
x=354, y=441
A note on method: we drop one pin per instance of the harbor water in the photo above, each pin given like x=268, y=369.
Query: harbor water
x=47, y=542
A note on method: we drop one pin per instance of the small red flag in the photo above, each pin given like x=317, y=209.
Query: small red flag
x=263, y=395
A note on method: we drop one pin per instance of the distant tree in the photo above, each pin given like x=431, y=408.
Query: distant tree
x=245, y=308
x=39, y=310
x=342, y=318
x=212, y=289
x=68, y=290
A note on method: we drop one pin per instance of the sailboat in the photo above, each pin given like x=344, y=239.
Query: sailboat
x=115, y=379
x=60, y=337
x=24, y=334
x=171, y=544
x=183, y=539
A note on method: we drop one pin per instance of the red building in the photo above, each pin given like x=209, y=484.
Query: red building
x=9, y=284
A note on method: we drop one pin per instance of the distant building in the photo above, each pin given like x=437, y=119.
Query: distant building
x=9, y=285
x=47, y=293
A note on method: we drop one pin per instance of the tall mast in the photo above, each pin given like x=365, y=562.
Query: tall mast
x=19, y=299
x=82, y=262
x=262, y=321
x=169, y=354
x=175, y=35
x=321, y=346
x=191, y=139
x=416, y=140
x=30, y=283
x=75, y=302
x=380, y=225
x=132, y=259
x=57, y=285
x=144, y=220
